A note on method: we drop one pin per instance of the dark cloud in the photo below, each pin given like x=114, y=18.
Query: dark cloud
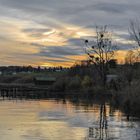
x=58, y=54
x=59, y=60
x=121, y=46
x=58, y=51
x=76, y=42
x=79, y=12
x=116, y=8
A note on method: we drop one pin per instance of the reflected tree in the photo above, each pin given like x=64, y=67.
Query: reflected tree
x=100, y=131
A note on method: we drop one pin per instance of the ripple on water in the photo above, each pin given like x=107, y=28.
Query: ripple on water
x=53, y=120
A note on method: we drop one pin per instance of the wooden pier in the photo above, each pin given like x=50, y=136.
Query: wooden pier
x=32, y=91
x=22, y=91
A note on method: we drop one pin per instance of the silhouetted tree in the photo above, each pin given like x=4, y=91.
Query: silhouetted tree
x=100, y=51
x=134, y=31
x=130, y=57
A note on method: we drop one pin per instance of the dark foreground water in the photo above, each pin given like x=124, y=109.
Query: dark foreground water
x=62, y=120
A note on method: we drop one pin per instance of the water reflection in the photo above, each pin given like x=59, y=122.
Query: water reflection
x=64, y=120
x=100, y=130
x=118, y=129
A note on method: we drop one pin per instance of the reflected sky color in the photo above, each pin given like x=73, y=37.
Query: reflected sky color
x=51, y=33
x=55, y=120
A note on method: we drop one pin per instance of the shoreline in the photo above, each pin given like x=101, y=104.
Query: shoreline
x=115, y=99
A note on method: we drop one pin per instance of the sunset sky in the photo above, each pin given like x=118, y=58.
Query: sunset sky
x=51, y=32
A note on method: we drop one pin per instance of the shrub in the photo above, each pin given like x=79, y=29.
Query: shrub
x=87, y=82
x=60, y=84
x=74, y=83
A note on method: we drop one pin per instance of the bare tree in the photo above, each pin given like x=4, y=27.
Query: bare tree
x=128, y=72
x=100, y=51
x=133, y=55
x=134, y=31
x=130, y=57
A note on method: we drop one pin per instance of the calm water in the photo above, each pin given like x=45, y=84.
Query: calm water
x=57, y=120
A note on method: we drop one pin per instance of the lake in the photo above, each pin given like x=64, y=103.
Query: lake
x=64, y=120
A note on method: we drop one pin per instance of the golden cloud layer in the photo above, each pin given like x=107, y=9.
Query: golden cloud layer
x=16, y=44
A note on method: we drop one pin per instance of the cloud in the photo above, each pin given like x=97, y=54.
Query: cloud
x=34, y=30
x=48, y=30
x=73, y=11
x=76, y=42
x=116, y=8
x=58, y=52
x=38, y=32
